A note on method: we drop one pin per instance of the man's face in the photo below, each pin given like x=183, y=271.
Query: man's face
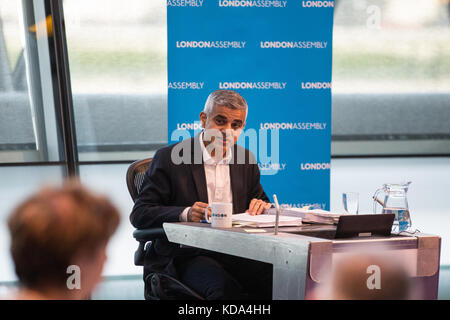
x=227, y=121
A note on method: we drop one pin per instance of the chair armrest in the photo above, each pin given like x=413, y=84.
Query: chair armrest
x=143, y=236
x=149, y=234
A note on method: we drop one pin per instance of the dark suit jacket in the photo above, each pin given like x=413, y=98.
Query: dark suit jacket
x=169, y=188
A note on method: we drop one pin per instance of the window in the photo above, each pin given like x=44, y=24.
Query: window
x=28, y=126
x=31, y=151
x=117, y=57
x=391, y=78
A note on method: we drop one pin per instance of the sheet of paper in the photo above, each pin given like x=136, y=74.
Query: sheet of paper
x=319, y=212
x=261, y=218
x=255, y=230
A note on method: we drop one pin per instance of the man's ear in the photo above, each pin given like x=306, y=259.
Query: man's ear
x=203, y=118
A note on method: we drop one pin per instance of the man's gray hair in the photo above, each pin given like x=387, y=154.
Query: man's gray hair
x=226, y=98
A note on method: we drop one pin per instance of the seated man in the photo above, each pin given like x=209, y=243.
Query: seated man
x=180, y=182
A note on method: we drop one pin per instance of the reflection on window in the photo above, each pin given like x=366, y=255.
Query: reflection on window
x=391, y=77
x=117, y=57
x=28, y=131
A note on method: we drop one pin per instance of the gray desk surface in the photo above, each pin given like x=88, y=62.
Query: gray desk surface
x=288, y=251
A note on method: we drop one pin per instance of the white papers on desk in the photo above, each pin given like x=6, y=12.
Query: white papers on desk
x=264, y=220
x=310, y=216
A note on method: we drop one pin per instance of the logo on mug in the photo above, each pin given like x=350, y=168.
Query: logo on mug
x=219, y=215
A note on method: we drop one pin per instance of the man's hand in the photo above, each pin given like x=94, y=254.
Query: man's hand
x=197, y=212
x=257, y=206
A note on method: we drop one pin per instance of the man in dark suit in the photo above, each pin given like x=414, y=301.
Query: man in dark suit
x=180, y=182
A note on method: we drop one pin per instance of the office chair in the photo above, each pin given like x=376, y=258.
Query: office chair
x=158, y=286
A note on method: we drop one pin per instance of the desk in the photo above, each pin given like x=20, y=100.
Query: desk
x=301, y=256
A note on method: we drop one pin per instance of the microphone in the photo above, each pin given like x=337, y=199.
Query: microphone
x=277, y=208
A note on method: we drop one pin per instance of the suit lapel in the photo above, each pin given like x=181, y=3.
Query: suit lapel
x=198, y=171
x=236, y=181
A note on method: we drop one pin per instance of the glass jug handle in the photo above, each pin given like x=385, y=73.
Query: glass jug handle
x=376, y=200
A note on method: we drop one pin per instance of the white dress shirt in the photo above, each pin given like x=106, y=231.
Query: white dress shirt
x=217, y=178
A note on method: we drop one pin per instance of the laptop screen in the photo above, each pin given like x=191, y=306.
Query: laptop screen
x=364, y=225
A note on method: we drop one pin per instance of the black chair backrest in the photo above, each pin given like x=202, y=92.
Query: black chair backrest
x=157, y=286
x=135, y=176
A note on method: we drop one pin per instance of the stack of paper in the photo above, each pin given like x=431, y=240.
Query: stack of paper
x=264, y=220
x=310, y=216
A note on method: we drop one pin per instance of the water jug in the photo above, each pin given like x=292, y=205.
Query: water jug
x=395, y=202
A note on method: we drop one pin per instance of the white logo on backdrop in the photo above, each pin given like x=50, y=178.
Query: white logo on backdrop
x=189, y=126
x=251, y=4
x=318, y=4
x=293, y=44
x=293, y=125
x=252, y=85
x=272, y=166
x=211, y=44
x=185, y=3
x=316, y=166
x=186, y=85
x=302, y=205
x=315, y=85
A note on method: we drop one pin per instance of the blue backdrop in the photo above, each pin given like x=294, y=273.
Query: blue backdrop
x=278, y=56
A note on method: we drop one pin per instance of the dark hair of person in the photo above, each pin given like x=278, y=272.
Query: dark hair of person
x=55, y=225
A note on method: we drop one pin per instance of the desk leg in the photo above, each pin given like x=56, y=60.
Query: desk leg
x=289, y=277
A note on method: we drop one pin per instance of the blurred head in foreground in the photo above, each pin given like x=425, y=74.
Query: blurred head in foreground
x=58, y=241
x=368, y=277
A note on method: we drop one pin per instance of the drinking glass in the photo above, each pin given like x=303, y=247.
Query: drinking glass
x=350, y=202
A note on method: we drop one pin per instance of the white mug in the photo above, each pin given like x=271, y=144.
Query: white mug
x=221, y=213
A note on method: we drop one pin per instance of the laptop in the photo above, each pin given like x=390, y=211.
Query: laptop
x=364, y=225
